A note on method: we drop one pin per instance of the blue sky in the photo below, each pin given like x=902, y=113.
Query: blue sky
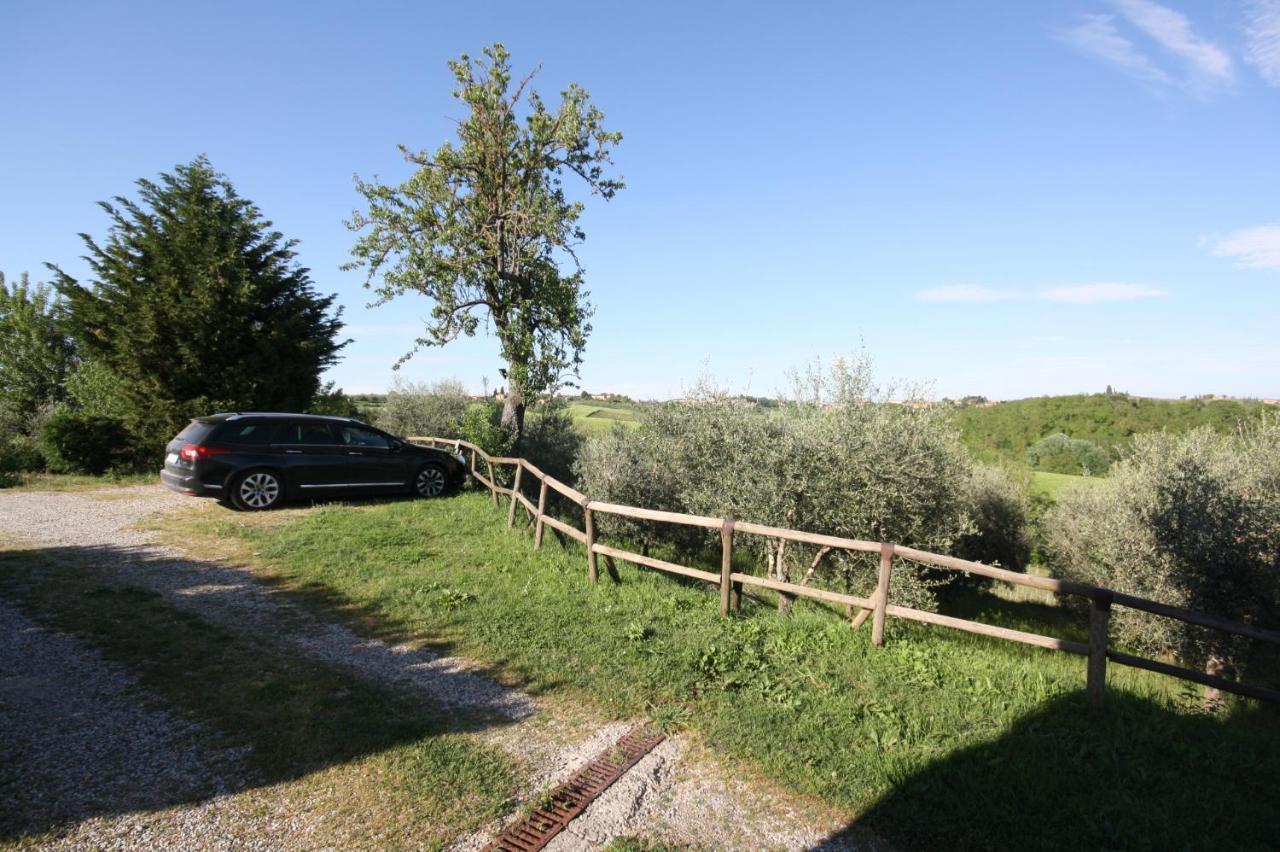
x=1001, y=199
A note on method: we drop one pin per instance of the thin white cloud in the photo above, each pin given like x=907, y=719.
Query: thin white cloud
x=1172, y=30
x=1198, y=66
x=1098, y=37
x=965, y=293
x=1092, y=294
x=1253, y=248
x=1262, y=39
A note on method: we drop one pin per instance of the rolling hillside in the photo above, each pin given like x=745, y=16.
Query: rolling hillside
x=1007, y=429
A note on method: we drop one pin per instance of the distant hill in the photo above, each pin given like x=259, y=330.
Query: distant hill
x=1006, y=429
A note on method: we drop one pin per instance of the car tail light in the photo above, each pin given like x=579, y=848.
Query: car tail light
x=197, y=452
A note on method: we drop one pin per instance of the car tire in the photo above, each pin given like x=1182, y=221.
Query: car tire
x=431, y=480
x=257, y=490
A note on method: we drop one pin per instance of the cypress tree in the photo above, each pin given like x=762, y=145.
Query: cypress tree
x=196, y=304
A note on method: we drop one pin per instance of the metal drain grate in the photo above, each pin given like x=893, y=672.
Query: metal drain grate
x=571, y=798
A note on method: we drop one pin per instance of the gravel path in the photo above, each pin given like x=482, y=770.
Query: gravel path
x=83, y=747
x=671, y=793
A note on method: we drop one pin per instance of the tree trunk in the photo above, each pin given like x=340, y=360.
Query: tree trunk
x=1213, y=697
x=785, y=601
x=513, y=414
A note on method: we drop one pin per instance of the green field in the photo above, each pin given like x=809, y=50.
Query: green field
x=593, y=417
x=990, y=740
x=1054, y=485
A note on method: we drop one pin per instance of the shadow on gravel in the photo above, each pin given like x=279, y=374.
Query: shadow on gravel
x=275, y=695
x=1152, y=779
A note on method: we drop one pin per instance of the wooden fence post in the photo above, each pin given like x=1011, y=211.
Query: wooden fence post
x=493, y=481
x=882, y=593
x=542, y=510
x=515, y=489
x=726, y=565
x=1099, y=622
x=592, y=573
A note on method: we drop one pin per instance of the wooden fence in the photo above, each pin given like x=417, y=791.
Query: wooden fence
x=879, y=608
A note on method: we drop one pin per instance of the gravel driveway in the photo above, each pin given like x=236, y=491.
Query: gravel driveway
x=89, y=762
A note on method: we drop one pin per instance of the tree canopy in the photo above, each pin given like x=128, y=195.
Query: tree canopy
x=35, y=353
x=196, y=304
x=484, y=225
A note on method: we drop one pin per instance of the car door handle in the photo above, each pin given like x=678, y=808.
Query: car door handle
x=293, y=451
x=355, y=454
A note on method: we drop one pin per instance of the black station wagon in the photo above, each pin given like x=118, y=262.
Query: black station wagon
x=259, y=460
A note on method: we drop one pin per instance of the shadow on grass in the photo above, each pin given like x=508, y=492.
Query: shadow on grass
x=283, y=693
x=978, y=604
x=1149, y=778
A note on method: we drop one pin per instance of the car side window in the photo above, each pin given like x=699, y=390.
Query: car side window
x=304, y=433
x=243, y=433
x=354, y=436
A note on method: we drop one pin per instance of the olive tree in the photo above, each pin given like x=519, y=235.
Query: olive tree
x=1190, y=520
x=999, y=512
x=416, y=408
x=837, y=458
x=484, y=226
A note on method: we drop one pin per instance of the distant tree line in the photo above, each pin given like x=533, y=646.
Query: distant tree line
x=1108, y=421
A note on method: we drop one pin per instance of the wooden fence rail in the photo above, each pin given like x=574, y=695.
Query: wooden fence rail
x=1097, y=650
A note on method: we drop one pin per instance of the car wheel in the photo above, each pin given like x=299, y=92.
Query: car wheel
x=430, y=481
x=257, y=490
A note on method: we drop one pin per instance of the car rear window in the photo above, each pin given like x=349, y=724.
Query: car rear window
x=244, y=433
x=195, y=432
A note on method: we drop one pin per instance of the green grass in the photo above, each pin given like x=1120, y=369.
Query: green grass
x=400, y=763
x=1054, y=485
x=76, y=482
x=988, y=740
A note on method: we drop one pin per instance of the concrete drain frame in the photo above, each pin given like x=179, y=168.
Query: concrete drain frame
x=563, y=804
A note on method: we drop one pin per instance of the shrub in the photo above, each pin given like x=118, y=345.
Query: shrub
x=1190, y=520
x=78, y=443
x=18, y=454
x=551, y=440
x=413, y=409
x=998, y=509
x=628, y=466
x=480, y=424
x=1058, y=453
x=332, y=401
x=21, y=453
